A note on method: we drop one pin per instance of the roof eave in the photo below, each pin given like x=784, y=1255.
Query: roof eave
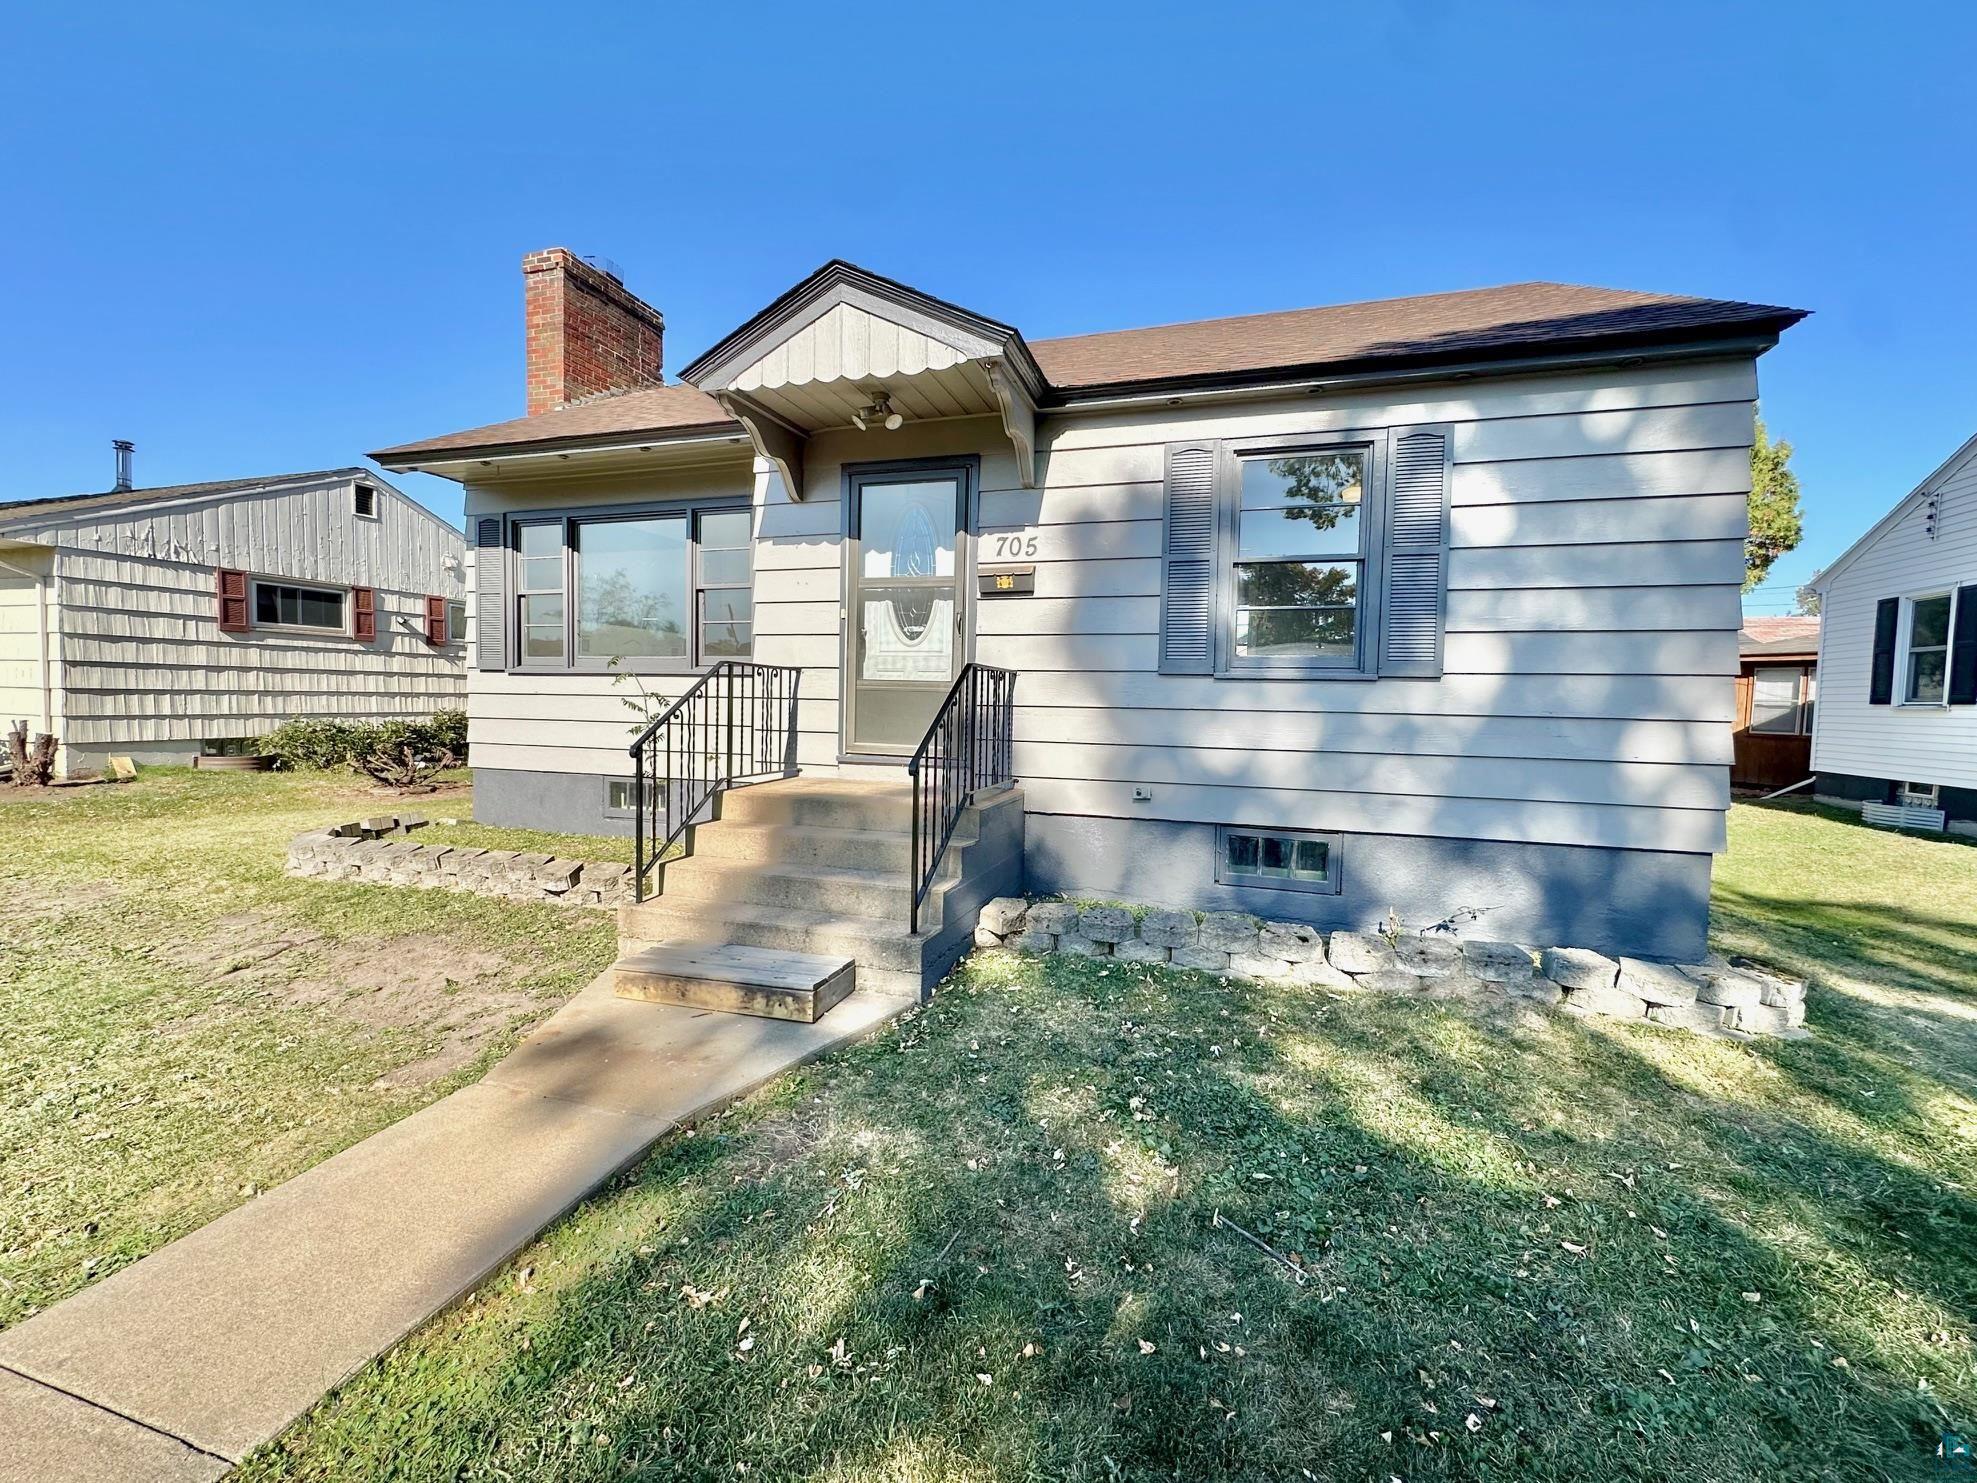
x=413, y=457
x=1753, y=337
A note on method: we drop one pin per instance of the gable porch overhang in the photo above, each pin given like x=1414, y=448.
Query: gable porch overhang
x=844, y=341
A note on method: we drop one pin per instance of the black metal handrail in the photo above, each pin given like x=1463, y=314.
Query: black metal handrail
x=967, y=748
x=736, y=725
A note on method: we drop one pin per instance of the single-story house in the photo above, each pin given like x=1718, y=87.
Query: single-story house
x=186, y=620
x=1897, y=723
x=1427, y=605
x=1777, y=691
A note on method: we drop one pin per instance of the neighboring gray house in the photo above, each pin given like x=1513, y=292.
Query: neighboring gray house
x=1423, y=604
x=1897, y=717
x=170, y=622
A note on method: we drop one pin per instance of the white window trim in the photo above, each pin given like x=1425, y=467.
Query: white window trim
x=1902, y=650
x=377, y=501
x=254, y=586
x=456, y=633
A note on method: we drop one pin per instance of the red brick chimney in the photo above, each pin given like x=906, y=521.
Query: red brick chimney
x=585, y=332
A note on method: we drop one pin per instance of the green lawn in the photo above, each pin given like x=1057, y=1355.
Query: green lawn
x=982, y=1246
x=184, y=1025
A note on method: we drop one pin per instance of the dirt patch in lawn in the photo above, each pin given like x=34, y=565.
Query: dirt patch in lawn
x=454, y=996
x=22, y=907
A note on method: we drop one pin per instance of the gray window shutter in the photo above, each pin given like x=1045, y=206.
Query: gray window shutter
x=1881, y=671
x=1187, y=583
x=1963, y=649
x=490, y=606
x=1416, y=558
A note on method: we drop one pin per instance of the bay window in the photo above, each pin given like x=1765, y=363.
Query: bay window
x=650, y=590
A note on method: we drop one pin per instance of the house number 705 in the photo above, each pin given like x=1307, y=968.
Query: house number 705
x=1006, y=546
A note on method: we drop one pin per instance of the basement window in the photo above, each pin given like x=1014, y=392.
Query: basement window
x=620, y=798
x=365, y=502
x=1277, y=859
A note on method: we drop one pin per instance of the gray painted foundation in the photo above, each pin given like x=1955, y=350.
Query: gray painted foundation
x=1649, y=904
x=1646, y=903
x=560, y=802
x=1959, y=805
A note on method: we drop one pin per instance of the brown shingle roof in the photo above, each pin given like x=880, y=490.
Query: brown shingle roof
x=1791, y=634
x=669, y=411
x=1475, y=325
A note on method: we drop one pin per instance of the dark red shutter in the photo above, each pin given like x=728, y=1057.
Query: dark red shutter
x=1963, y=649
x=364, y=610
x=232, y=589
x=1881, y=675
x=436, y=620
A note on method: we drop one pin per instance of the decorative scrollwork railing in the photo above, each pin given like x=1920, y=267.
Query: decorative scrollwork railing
x=735, y=726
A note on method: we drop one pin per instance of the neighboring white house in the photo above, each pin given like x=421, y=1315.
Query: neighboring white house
x=1897, y=717
x=166, y=623
x=1423, y=604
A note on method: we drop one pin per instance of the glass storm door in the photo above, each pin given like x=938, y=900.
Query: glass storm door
x=905, y=609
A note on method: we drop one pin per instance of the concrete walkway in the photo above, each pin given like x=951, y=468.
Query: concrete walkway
x=174, y=1368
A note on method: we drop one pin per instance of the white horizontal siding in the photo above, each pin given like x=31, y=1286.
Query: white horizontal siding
x=144, y=662
x=1920, y=744
x=1593, y=608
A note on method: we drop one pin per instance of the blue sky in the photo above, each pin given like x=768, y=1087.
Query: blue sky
x=256, y=239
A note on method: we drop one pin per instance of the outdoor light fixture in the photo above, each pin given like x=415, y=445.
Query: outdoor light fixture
x=878, y=413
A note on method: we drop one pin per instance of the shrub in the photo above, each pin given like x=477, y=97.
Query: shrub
x=320, y=745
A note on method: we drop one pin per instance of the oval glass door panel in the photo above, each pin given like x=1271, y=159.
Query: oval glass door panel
x=905, y=618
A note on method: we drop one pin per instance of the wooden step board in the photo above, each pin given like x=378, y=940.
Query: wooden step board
x=738, y=980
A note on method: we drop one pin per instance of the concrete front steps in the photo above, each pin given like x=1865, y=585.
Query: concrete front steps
x=821, y=866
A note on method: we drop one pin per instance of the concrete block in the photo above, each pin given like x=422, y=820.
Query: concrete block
x=1769, y=1019
x=1294, y=942
x=1256, y=965
x=1658, y=983
x=1074, y=945
x=1231, y=932
x=1359, y=952
x=1578, y=968
x=1535, y=990
x=1729, y=987
x=1053, y=917
x=1390, y=981
x=1137, y=950
x=1692, y=1016
x=558, y=876
x=1105, y=923
x=1032, y=941
x=986, y=938
x=1163, y=928
x=1197, y=956
x=1428, y=957
x=1607, y=999
x=1005, y=915
x=1318, y=974
x=1497, y=962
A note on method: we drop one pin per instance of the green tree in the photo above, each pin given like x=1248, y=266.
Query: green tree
x=1776, y=523
x=1808, y=597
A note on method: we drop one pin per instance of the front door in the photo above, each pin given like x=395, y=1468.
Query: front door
x=906, y=604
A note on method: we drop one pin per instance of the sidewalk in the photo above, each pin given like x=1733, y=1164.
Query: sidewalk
x=176, y=1367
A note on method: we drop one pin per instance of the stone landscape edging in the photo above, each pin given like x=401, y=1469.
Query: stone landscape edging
x=1717, y=997
x=379, y=851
